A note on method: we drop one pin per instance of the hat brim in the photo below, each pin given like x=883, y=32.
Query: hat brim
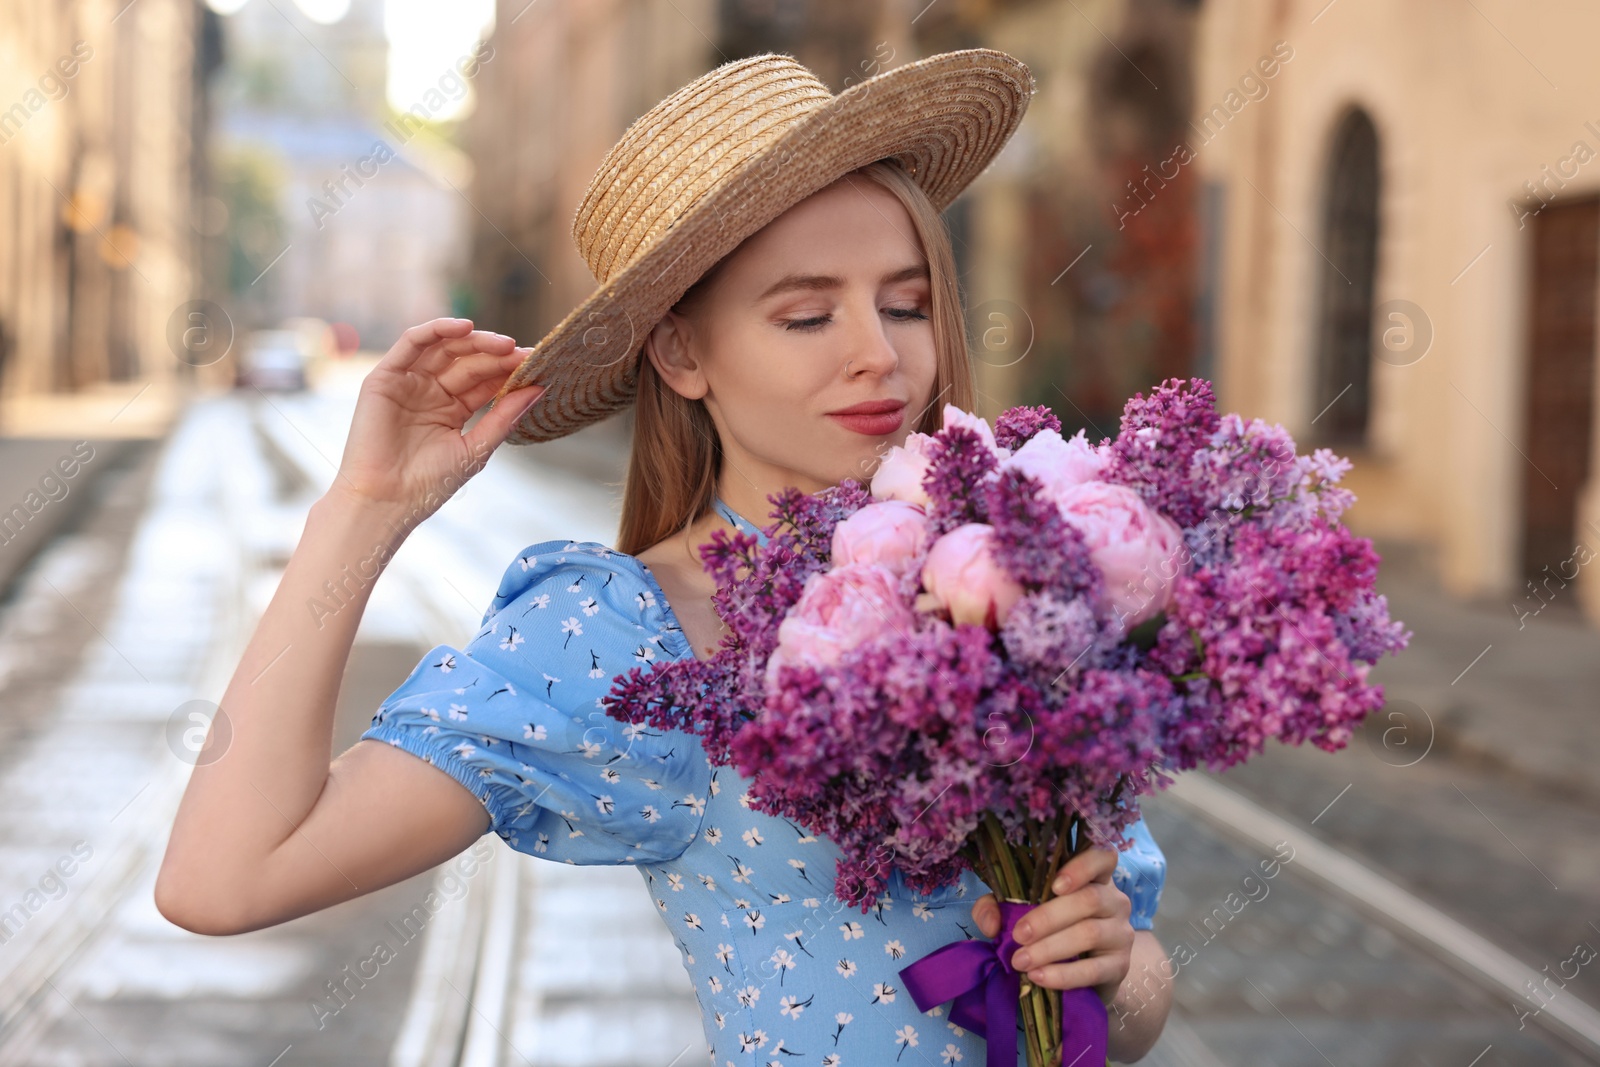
x=945, y=117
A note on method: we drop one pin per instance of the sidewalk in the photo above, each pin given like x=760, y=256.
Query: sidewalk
x=1519, y=693
x=92, y=770
x=55, y=447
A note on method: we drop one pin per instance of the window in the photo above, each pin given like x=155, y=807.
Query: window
x=1349, y=246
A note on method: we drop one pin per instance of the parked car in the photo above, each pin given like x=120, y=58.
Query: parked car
x=273, y=360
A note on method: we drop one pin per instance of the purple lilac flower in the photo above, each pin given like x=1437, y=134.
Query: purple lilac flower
x=1056, y=636
x=960, y=464
x=1034, y=544
x=1016, y=425
x=1246, y=467
x=1366, y=630
x=1158, y=438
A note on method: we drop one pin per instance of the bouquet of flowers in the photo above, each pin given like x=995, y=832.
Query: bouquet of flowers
x=983, y=658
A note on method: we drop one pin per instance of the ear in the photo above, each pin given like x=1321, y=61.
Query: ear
x=670, y=349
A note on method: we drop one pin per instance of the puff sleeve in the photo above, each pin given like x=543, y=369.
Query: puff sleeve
x=515, y=716
x=1141, y=872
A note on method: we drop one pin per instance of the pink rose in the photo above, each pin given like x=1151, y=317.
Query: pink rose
x=900, y=471
x=962, y=575
x=839, y=609
x=891, y=533
x=1059, y=464
x=1137, y=549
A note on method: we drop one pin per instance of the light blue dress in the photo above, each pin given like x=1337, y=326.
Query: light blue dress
x=784, y=971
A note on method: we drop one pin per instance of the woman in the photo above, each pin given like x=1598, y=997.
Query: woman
x=844, y=298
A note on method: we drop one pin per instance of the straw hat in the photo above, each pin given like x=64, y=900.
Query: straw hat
x=718, y=160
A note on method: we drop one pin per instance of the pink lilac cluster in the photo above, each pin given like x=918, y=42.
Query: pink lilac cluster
x=1008, y=620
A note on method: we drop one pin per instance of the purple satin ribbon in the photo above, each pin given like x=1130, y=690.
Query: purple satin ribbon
x=978, y=976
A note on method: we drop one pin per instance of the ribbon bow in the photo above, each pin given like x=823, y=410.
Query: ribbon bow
x=978, y=977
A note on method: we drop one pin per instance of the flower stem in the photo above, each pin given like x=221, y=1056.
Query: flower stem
x=1024, y=856
x=1039, y=845
x=1063, y=835
x=1039, y=1005
x=1004, y=860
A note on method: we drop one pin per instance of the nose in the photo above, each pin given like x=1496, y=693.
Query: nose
x=867, y=345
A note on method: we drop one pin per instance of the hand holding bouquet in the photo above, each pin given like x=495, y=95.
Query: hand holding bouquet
x=985, y=658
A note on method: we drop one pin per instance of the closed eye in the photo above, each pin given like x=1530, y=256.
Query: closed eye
x=810, y=325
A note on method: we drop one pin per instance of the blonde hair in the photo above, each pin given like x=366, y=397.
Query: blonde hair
x=675, y=456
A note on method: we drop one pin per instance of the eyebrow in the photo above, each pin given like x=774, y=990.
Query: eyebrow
x=824, y=282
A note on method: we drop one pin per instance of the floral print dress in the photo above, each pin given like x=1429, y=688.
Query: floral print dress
x=784, y=971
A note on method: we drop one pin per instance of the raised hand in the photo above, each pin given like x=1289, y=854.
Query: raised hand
x=406, y=451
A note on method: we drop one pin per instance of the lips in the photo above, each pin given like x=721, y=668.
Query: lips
x=871, y=407
x=874, y=418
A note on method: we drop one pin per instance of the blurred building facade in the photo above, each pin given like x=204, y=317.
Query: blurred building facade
x=1084, y=243
x=102, y=177
x=1410, y=257
x=345, y=208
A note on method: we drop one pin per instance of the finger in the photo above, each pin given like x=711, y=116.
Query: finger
x=491, y=431
x=1088, y=936
x=437, y=359
x=1091, y=865
x=418, y=339
x=1095, y=900
x=490, y=386
x=478, y=395
x=1089, y=971
x=467, y=370
x=986, y=913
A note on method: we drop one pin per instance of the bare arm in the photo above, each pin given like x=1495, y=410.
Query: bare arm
x=1139, y=1011
x=271, y=830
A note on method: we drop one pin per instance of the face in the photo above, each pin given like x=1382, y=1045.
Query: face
x=825, y=308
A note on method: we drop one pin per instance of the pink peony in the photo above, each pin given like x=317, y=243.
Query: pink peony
x=1059, y=464
x=899, y=473
x=839, y=609
x=962, y=575
x=954, y=416
x=891, y=533
x=1137, y=549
